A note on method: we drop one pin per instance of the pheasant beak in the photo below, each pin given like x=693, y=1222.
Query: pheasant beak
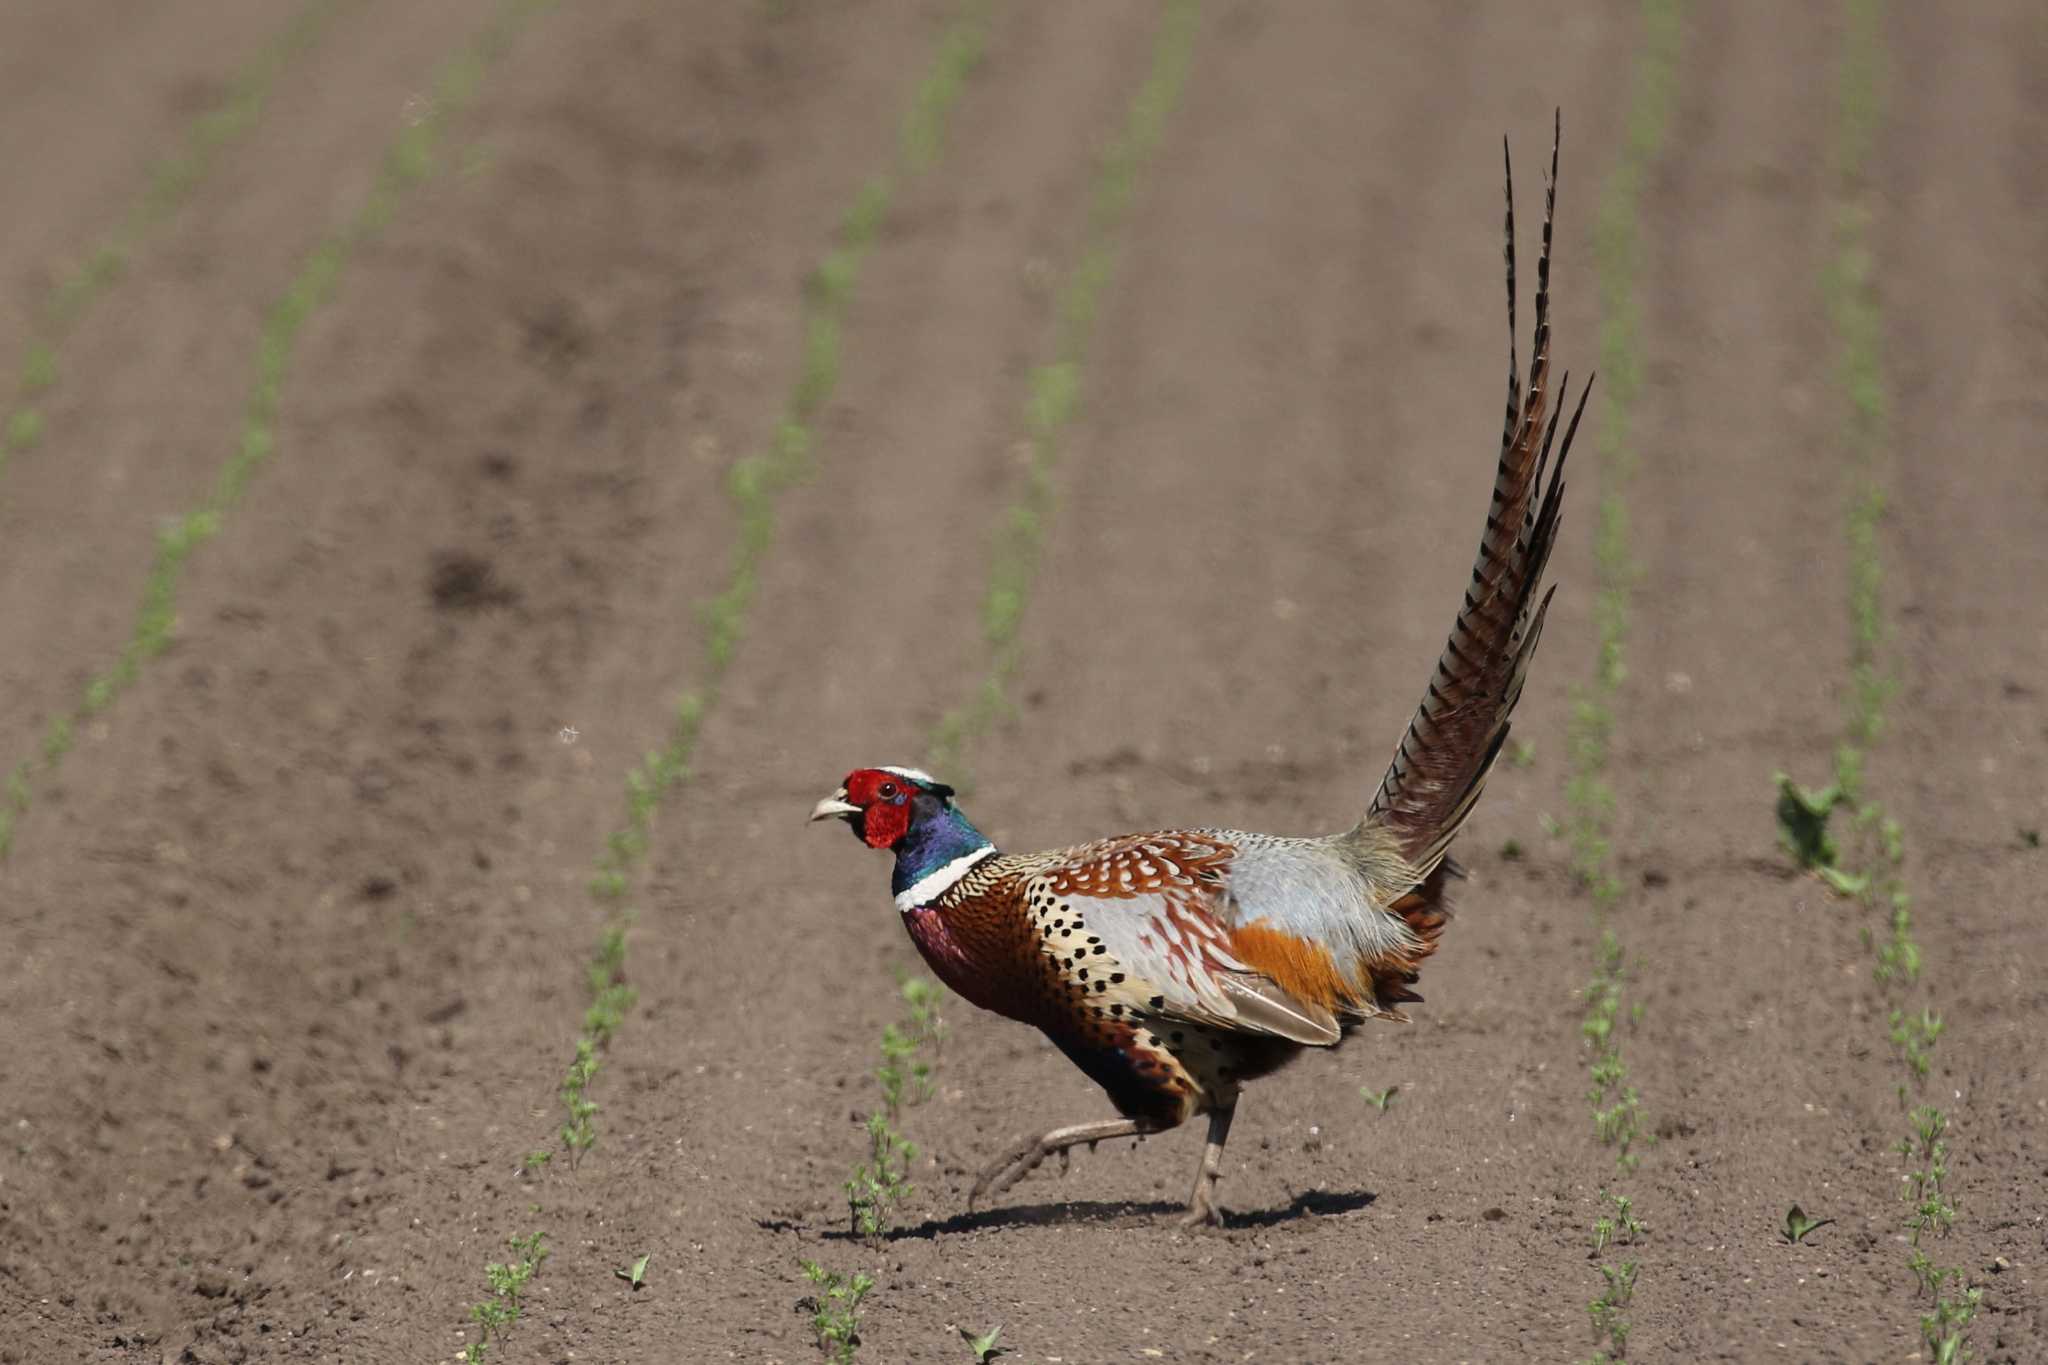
x=835, y=805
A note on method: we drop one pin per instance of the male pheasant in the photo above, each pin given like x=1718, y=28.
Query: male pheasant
x=1175, y=966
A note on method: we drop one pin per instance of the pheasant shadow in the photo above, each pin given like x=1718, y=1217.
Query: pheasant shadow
x=1309, y=1204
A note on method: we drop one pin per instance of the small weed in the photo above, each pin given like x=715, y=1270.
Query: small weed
x=1945, y=1328
x=536, y=1160
x=1927, y=1146
x=1798, y=1225
x=508, y=1280
x=1620, y=1227
x=1381, y=1100
x=1898, y=957
x=1522, y=753
x=2029, y=838
x=1617, y=1109
x=1591, y=799
x=636, y=1273
x=879, y=1185
x=835, y=1310
x=1610, y=1311
x=579, y=1129
x=1511, y=851
x=984, y=1346
x=1914, y=1036
x=921, y=998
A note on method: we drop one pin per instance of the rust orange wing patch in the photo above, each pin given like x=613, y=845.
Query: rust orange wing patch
x=1304, y=969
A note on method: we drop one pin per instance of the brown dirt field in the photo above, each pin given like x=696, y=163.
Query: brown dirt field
x=294, y=940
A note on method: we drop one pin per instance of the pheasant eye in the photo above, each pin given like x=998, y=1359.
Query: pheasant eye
x=888, y=791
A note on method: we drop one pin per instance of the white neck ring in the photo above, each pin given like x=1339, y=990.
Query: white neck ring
x=933, y=885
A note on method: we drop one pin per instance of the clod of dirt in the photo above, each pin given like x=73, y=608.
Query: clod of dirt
x=555, y=337
x=1495, y=1214
x=372, y=783
x=460, y=581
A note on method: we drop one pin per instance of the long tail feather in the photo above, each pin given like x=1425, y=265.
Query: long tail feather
x=1459, y=729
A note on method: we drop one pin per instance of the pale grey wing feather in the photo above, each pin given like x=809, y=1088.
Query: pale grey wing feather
x=1323, y=891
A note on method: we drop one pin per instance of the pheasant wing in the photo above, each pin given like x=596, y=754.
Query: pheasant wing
x=1141, y=924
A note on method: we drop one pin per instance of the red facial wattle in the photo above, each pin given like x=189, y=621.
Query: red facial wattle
x=884, y=800
x=884, y=821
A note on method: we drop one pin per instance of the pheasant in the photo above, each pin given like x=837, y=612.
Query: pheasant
x=1173, y=967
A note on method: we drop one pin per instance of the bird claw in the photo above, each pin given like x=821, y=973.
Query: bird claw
x=1020, y=1160
x=1027, y=1154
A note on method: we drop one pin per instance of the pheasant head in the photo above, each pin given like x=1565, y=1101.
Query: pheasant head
x=912, y=814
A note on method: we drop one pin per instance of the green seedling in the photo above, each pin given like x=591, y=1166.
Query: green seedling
x=984, y=1346
x=880, y=1185
x=835, y=1310
x=508, y=1280
x=636, y=1273
x=1617, y=1109
x=1590, y=797
x=1609, y=1312
x=1381, y=1100
x=1798, y=1225
x=1914, y=1036
x=1522, y=753
x=921, y=997
x=1898, y=957
x=536, y=1160
x=579, y=1128
x=1925, y=1185
x=1803, y=832
x=1620, y=1226
x=1511, y=851
x=2029, y=838
x=1944, y=1330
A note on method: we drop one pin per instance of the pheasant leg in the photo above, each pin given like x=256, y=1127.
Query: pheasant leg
x=1025, y=1156
x=1202, y=1203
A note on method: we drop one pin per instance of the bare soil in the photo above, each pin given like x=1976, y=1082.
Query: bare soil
x=294, y=940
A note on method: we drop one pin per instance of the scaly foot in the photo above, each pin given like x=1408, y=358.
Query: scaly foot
x=1027, y=1154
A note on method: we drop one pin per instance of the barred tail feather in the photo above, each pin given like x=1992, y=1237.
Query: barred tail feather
x=1459, y=729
